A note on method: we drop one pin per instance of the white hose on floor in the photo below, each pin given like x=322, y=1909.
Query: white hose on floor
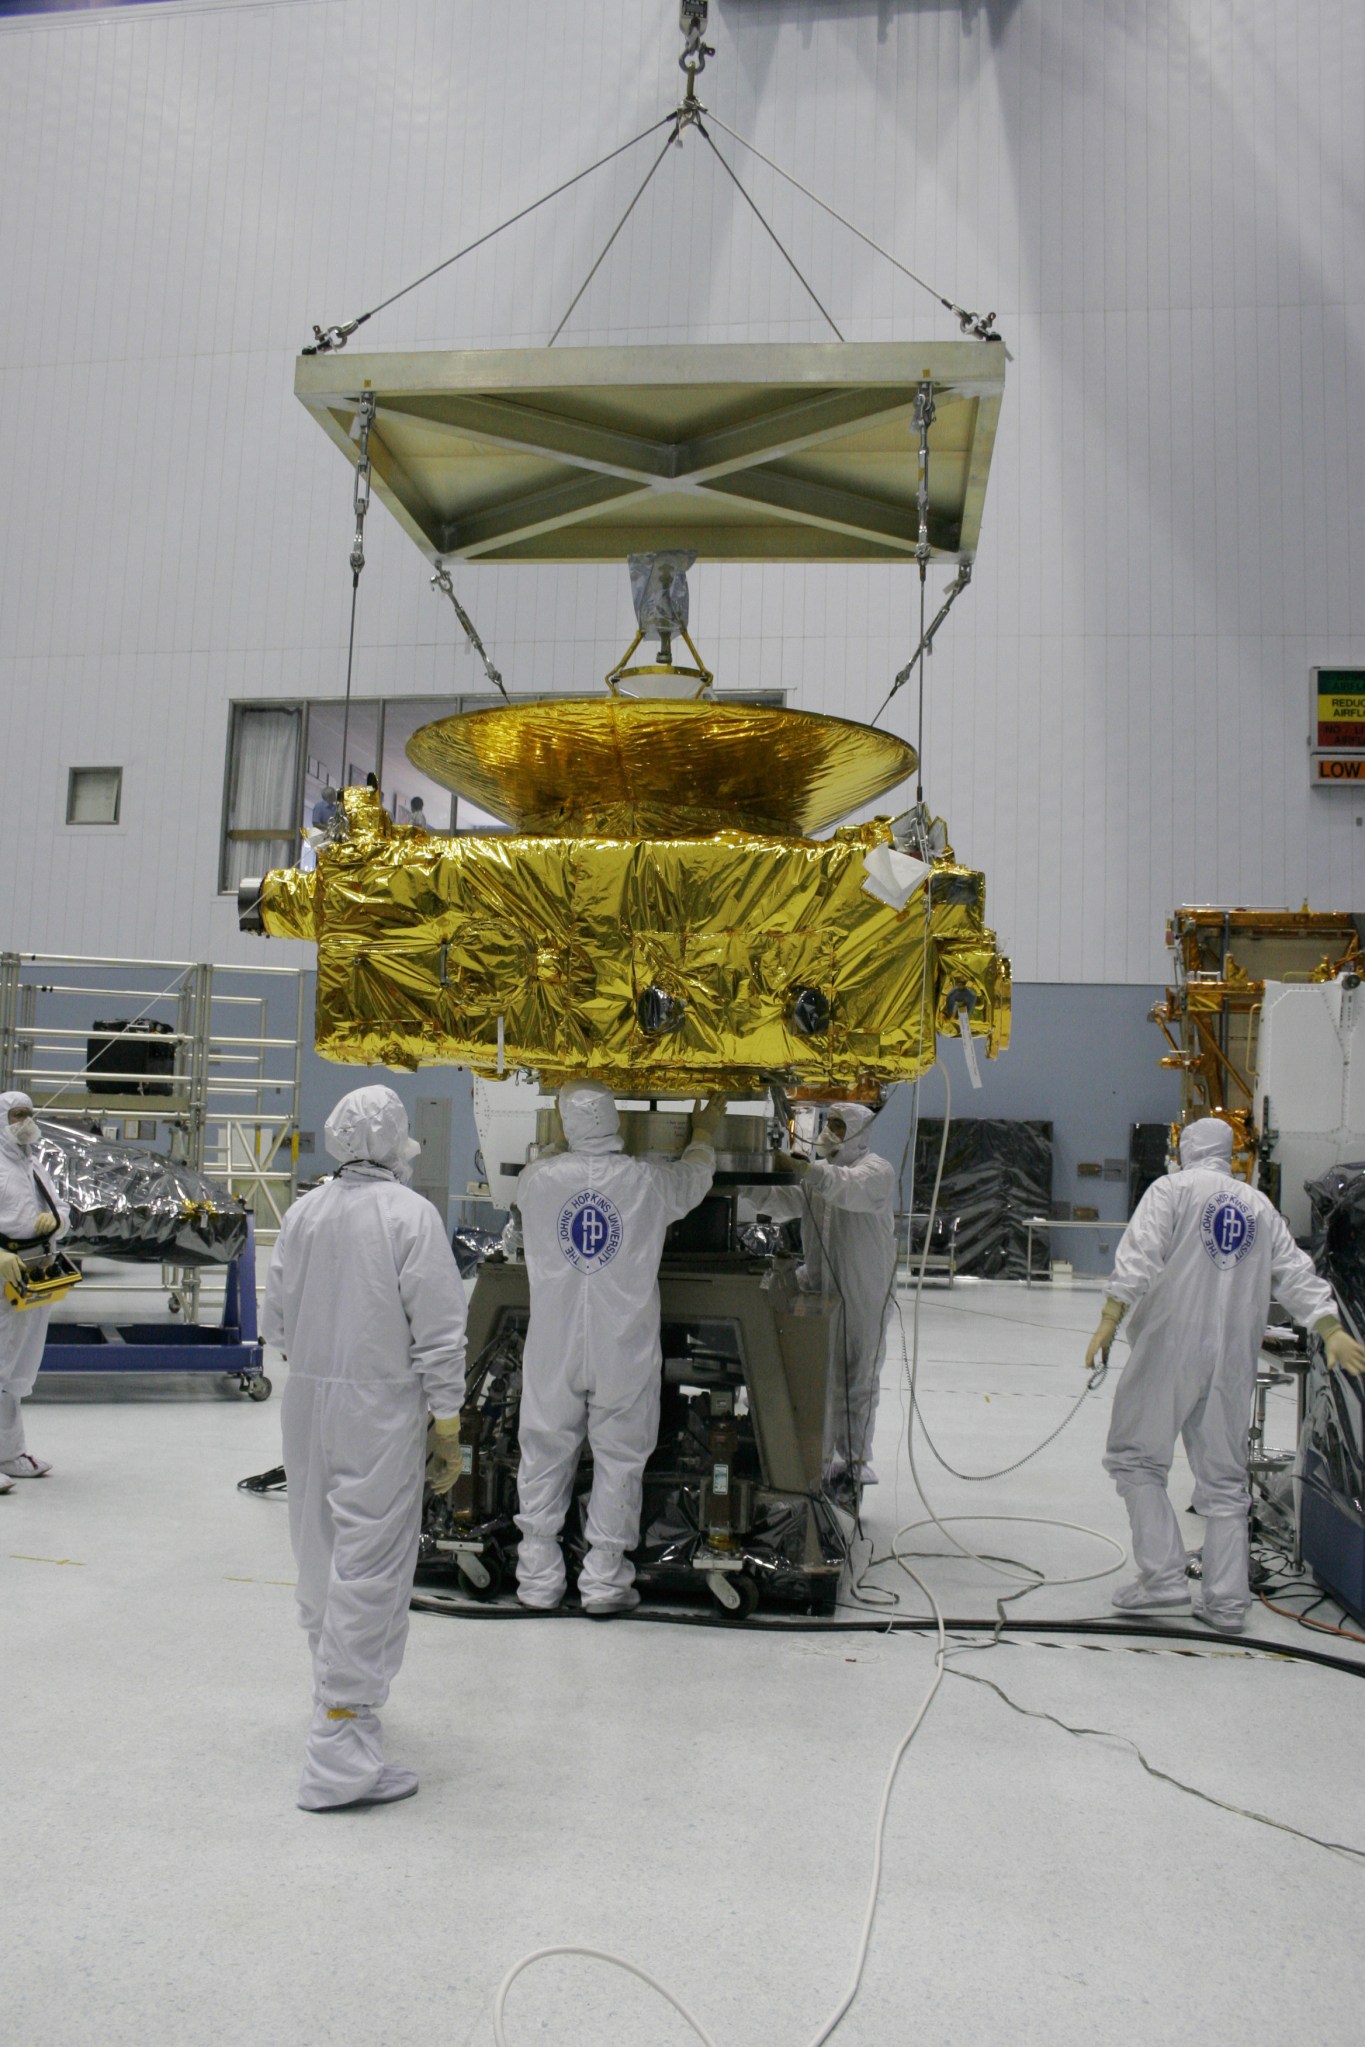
x=865, y=1937
x=1031, y=1577
x=1027, y=1574
x=592, y=1954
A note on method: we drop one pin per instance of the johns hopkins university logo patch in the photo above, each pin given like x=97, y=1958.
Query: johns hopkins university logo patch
x=589, y=1230
x=1228, y=1229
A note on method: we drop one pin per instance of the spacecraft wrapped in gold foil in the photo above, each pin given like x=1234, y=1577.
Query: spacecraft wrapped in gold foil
x=658, y=917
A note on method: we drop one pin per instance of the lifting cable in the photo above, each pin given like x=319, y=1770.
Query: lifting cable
x=980, y=326
x=364, y=420
x=441, y=581
x=687, y=114
x=768, y=228
x=639, y=195
x=924, y=418
x=927, y=636
x=326, y=340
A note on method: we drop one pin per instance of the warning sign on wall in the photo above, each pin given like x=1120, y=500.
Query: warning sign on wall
x=1338, y=729
x=1339, y=707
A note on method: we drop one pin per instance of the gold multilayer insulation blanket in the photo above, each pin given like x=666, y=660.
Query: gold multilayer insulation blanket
x=440, y=950
x=632, y=767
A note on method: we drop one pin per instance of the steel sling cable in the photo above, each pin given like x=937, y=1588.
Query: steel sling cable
x=346, y=701
x=763, y=222
x=365, y=418
x=767, y=227
x=971, y=323
x=331, y=338
x=639, y=195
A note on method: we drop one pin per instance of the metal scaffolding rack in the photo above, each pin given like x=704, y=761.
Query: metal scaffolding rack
x=228, y=1108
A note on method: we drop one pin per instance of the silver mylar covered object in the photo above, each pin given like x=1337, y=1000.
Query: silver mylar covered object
x=136, y=1205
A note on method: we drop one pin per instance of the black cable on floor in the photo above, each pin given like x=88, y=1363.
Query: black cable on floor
x=813, y=1625
x=1162, y=1776
x=271, y=1481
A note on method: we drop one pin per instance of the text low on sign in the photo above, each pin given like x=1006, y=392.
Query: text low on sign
x=1337, y=742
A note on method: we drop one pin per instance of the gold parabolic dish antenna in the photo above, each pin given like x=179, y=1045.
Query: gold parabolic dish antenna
x=623, y=767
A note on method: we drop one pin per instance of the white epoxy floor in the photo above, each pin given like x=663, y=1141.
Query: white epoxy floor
x=700, y=1800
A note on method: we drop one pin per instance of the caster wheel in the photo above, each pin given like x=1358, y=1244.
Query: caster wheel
x=746, y=1601
x=493, y=1576
x=175, y=1304
x=259, y=1388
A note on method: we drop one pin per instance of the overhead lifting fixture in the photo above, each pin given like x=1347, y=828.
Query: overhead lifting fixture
x=778, y=470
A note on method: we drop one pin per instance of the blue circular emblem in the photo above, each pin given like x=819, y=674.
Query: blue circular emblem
x=1228, y=1230
x=589, y=1230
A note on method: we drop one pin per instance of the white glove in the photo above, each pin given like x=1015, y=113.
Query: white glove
x=1114, y=1312
x=11, y=1268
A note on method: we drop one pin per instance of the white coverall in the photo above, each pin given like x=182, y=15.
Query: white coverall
x=365, y=1299
x=1197, y=1266
x=847, y=1207
x=23, y=1331
x=593, y=1224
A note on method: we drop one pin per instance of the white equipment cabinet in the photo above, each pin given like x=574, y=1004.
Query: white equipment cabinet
x=1310, y=1084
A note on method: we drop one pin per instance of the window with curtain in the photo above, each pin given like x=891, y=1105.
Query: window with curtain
x=259, y=830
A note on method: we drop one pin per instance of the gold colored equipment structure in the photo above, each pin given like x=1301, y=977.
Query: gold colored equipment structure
x=675, y=906
x=662, y=912
x=1210, y=1017
x=658, y=916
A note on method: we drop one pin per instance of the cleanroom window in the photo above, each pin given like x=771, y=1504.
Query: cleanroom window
x=399, y=781
x=329, y=725
x=261, y=801
x=283, y=759
x=93, y=795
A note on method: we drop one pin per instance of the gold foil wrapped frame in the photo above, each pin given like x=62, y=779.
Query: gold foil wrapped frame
x=642, y=767
x=533, y=951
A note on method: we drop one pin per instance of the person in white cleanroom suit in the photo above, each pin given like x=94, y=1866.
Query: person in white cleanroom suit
x=28, y=1209
x=1197, y=1265
x=593, y=1224
x=365, y=1299
x=847, y=1208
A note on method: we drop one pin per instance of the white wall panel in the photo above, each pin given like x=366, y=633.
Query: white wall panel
x=1161, y=201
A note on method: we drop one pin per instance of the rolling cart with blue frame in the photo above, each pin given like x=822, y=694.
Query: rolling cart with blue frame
x=233, y=1349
